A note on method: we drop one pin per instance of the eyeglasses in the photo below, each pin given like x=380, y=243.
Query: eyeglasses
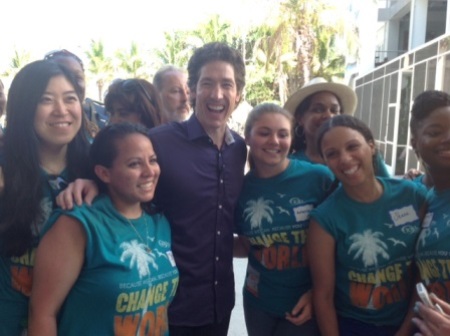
x=62, y=52
x=134, y=85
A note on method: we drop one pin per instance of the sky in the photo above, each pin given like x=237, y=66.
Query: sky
x=39, y=26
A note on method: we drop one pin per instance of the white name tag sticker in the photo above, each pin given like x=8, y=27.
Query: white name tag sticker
x=302, y=212
x=403, y=215
x=427, y=220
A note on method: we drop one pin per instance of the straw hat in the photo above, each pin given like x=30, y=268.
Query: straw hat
x=345, y=94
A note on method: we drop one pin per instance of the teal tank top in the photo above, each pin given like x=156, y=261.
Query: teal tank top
x=129, y=276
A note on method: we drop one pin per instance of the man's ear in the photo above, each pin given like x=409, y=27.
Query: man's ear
x=238, y=99
x=102, y=173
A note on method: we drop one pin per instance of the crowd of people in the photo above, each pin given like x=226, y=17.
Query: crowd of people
x=124, y=219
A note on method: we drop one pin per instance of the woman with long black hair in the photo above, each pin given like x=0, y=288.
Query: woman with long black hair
x=44, y=149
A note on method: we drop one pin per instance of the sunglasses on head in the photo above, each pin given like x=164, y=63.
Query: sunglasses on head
x=134, y=85
x=64, y=53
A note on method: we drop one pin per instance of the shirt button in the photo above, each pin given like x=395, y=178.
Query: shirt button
x=221, y=181
x=220, y=206
x=216, y=282
x=217, y=258
x=218, y=233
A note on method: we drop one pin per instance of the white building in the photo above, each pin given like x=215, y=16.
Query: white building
x=411, y=54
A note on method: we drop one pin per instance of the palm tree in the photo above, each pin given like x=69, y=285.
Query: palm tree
x=138, y=254
x=99, y=65
x=215, y=30
x=273, y=57
x=313, y=32
x=368, y=246
x=18, y=61
x=177, y=49
x=258, y=210
x=329, y=63
x=301, y=16
x=132, y=62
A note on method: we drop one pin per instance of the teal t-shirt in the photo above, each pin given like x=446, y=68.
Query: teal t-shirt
x=433, y=246
x=374, y=250
x=419, y=179
x=380, y=166
x=126, y=284
x=301, y=155
x=273, y=213
x=16, y=273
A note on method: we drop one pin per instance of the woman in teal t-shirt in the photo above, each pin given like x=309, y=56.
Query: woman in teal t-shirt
x=272, y=218
x=361, y=239
x=108, y=269
x=430, y=138
x=44, y=149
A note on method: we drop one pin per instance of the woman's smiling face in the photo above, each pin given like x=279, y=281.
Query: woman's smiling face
x=349, y=156
x=432, y=139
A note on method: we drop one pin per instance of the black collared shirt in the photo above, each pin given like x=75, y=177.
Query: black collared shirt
x=198, y=191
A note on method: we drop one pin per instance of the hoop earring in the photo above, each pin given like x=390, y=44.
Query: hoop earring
x=298, y=131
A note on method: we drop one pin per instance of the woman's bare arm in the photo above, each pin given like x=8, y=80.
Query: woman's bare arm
x=59, y=259
x=321, y=251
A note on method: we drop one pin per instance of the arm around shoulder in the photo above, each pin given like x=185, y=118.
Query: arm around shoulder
x=77, y=192
x=59, y=259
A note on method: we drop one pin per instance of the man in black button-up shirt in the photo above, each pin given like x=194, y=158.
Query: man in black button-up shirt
x=202, y=167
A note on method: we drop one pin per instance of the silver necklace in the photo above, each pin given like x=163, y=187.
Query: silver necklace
x=145, y=243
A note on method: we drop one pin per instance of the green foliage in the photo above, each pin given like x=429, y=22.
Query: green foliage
x=215, y=30
x=18, y=61
x=132, y=61
x=328, y=63
x=270, y=60
x=298, y=43
x=260, y=86
x=100, y=65
x=177, y=49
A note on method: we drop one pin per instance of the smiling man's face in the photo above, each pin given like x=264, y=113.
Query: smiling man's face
x=216, y=95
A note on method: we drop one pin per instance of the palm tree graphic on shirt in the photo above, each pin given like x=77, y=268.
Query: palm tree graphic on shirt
x=139, y=256
x=257, y=211
x=368, y=246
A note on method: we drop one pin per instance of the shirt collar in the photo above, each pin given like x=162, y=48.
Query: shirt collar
x=229, y=138
x=195, y=130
